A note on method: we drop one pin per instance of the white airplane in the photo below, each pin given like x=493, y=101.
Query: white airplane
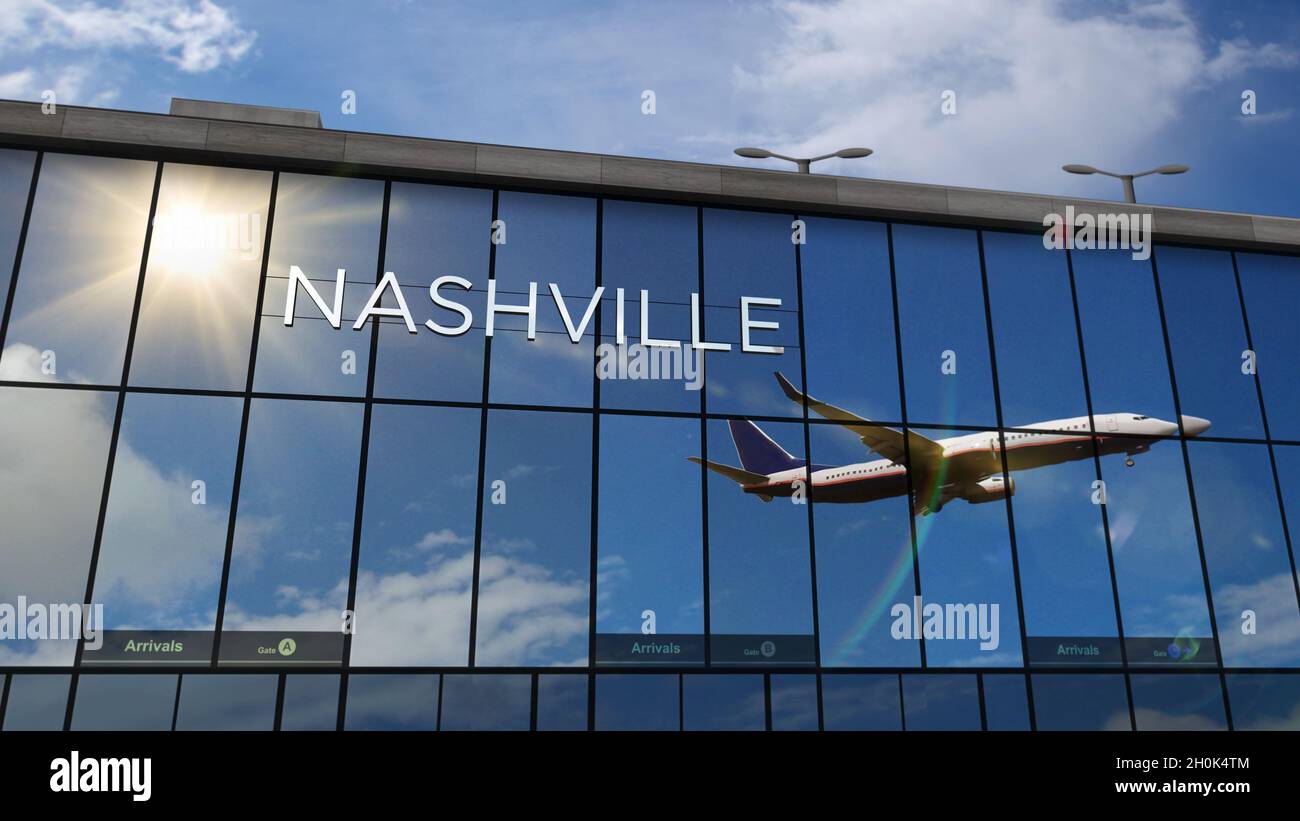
x=965, y=467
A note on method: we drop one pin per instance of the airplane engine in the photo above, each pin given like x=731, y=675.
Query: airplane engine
x=990, y=489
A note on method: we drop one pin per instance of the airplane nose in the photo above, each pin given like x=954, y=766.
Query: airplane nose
x=1195, y=425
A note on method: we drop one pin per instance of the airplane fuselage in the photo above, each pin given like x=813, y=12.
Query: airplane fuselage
x=971, y=467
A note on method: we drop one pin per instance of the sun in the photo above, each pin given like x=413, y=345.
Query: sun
x=190, y=242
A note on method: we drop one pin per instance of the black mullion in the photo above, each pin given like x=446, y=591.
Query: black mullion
x=438, y=721
x=1029, y=699
x=18, y=250
x=902, y=704
x=595, y=450
x=681, y=703
x=704, y=443
x=4, y=698
x=482, y=461
x=821, y=718
x=532, y=721
x=1096, y=463
x=1268, y=436
x=1191, y=490
x=243, y=426
x=767, y=702
x=591, y=702
x=1002, y=452
x=279, y=702
x=176, y=704
x=807, y=449
x=363, y=464
x=113, y=442
x=984, y=717
x=907, y=451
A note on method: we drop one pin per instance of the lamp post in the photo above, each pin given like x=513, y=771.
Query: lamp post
x=1127, y=179
x=803, y=163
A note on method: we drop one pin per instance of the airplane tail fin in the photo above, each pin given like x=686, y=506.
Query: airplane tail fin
x=757, y=452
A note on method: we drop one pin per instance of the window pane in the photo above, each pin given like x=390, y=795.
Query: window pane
x=650, y=567
x=561, y=702
x=723, y=702
x=1083, y=702
x=1271, y=286
x=637, y=702
x=36, y=702
x=941, y=702
x=310, y=703
x=486, y=702
x=1005, y=707
x=748, y=254
x=759, y=575
x=80, y=268
x=548, y=239
x=1203, y=314
x=864, y=556
x=945, y=338
x=159, y=571
x=1157, y=563
x=1261, y=702
x=1039, y=371
x=15, y=184
x=417, y=537
x=652, y=247
x=322, y=224
x=794, y=702
x=293, y=538
x=853, y=702
x=849, y=317
x=55, y=446
x=964, y=551
x=200, y=287
x=1064, y=568
x=398, y=702
x=125, y=702
x=1191, y=702
x=233, y=702
x=435, y=231
x=536, y=553
x=1127, y=368
x=1246, y=552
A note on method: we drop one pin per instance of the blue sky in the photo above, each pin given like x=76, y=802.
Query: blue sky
x=1119, y=85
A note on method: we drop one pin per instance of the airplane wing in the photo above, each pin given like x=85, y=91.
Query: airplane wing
x=882, y=440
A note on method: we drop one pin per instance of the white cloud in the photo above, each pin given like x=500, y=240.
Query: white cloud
x=440, y=538
x=76, y=49
x=1238, y=55
x=1036, y=85
x=195, y=37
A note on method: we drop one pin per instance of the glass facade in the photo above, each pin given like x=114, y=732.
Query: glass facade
x=334, y=452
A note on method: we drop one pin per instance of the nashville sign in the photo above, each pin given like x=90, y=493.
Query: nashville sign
x=333, y=312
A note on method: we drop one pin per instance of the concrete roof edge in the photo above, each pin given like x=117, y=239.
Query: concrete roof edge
x=196, y=139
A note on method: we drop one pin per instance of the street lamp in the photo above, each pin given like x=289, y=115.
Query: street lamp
x=763, y=154
x=1126, y=178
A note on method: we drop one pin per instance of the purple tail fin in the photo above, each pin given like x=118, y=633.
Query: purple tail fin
x=758, y=453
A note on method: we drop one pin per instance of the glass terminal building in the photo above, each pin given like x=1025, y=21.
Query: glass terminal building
x=490, y=519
